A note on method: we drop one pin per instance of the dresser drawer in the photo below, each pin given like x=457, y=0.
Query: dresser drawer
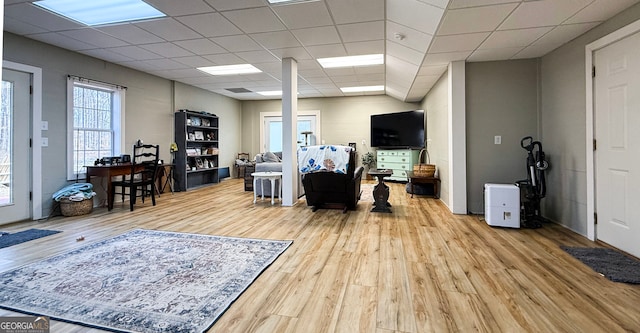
x=394, y=159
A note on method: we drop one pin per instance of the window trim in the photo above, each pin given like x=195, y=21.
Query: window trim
x=119, y=97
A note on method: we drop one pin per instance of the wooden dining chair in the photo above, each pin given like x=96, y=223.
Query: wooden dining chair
x=141, y=182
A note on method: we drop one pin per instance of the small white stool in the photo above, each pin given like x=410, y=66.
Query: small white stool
x=269, y=175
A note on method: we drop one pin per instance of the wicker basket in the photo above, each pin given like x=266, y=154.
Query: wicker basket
x=75, y=208
x=424, y=169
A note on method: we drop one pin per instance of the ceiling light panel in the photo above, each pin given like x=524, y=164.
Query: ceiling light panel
x=352, y=61
x=361, y=89
x=97, y=12
x=230, y=69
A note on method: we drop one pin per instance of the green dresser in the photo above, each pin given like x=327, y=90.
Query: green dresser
x=398, y=160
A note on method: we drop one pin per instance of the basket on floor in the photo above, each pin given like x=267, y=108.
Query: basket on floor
x=75, y=208
x=424, y=169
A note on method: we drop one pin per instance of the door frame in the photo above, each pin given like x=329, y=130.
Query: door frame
x=590, y=50
x=36, y=135
x=315, y=113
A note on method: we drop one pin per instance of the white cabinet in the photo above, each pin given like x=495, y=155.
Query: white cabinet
x=398, y=160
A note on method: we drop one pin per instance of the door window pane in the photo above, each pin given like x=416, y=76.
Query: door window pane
x=6, y=138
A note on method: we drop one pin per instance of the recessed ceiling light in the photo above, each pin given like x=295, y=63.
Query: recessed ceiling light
x=230, y=69
x=283, y=2
x=96, y=12
x=362, y=89
x=350, y=61
x=270, y=93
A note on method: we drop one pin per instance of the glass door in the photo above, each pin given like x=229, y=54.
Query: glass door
x=15, y=167
x=306, y=132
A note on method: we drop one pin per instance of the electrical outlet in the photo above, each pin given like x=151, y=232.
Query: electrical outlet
x=44, y=142
x=44, y=125
x=364, y=142
x=497, y=139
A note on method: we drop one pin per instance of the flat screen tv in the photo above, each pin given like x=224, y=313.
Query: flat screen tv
x=398, y=130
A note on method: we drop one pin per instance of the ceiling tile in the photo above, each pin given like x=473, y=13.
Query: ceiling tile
x=167, y=50
x=254, y=57
x=167, y=64
x=235, y=4
x=535, y=51
x=312, y=73
x=565, y=33
x=224, y=59
x=428, y=70
x=21, y=28
x=369, y=70
x=200, y=46
x=317, y=36
x=255, y=20
x=494, y=54
x=130, y=34
x=94, y=37
x=357, y=32
x=276, y=39
x=40, y=17
x=455, y=4
x=62, y=41
x=353, y=11
x=542, y=13
x=326, y=51
x=308, y=64
x=513, y=38
x=298, y=53
x=179, y=8
x=370, y=47
x=141, y=65
x=415, y=14
x=106, y=55
x=445, y=58
x=194, y=61
x=408, y=37
x=477, y=19
x=168, y=29
x=135, y=52
x=454, y=43
x=237, y=43
x=210, y=25
x=404, y=53
x=600, y=10
x=304, y=15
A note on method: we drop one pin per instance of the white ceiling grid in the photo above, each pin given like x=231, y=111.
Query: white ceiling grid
x=418, y=37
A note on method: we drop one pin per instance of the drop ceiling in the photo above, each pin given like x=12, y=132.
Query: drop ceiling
x=418, y=37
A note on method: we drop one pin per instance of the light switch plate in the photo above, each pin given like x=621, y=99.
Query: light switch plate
x=497, y=139
x=44, y=142
x=44, y=125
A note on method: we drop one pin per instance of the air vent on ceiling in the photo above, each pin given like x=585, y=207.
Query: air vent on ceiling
x=238, y=90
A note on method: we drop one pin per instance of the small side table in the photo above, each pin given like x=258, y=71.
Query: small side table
x=417, y=179
x=381, y=191
x=269, y=175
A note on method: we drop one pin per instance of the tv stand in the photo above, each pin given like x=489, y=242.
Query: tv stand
x=398, y=160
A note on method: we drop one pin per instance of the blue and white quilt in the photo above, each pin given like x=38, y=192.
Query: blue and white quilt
x=324, y=158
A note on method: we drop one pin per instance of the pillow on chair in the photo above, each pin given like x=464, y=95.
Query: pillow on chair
x=270, y=157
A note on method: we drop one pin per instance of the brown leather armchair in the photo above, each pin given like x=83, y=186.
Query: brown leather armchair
x=326, y=189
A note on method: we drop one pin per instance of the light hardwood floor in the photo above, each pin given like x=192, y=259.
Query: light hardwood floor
x=419, y=269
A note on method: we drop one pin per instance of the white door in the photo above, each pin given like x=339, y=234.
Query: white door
x=617, y=157
x=15, y=165
x=273, y=132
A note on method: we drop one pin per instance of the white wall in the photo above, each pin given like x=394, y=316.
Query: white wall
x=436, y=106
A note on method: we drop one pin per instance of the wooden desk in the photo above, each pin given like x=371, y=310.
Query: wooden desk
x=108, y=172
x=417, y=179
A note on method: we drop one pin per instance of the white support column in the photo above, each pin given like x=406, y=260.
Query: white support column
x=289, y=128
x=457, y=139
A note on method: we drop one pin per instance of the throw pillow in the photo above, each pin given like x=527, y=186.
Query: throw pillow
x=270, y=157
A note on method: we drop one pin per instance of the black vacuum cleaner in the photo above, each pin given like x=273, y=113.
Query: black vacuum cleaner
x=534, y=188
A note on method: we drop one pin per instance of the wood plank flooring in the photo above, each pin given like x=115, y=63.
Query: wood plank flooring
x=419, y=269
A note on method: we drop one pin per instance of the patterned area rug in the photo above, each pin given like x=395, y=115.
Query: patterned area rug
x=142, y=281
x=366, y=194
